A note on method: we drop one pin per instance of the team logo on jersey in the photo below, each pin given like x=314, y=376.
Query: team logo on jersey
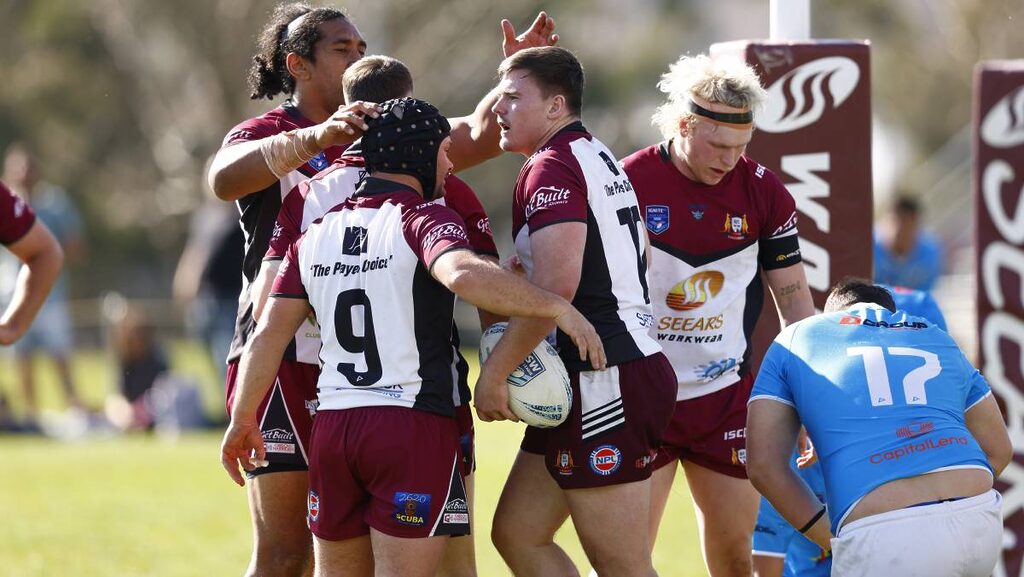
x=319, y=162
x=915, y=429
x=313, y=505
x=412, y=508
x=563, y=462
x=605, y=459
x=693, y=292
x=354, y=241
x=657, y=218
x=735, y=226
x=697, y=211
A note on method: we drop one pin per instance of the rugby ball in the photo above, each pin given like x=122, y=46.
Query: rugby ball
x=539, y=390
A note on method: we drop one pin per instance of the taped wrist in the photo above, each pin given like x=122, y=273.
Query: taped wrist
x=285, y=152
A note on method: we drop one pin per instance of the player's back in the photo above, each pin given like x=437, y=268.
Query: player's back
x=882, y=394
x=385, y=321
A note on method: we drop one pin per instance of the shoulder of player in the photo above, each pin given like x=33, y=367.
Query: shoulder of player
x=645, y=156
x=267, y=124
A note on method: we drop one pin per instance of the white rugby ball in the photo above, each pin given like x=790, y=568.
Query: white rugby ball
x=539, y=390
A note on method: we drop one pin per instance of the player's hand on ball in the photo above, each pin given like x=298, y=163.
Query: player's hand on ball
x=584, y=336
x=490, y=397
x=346, y=125
x=242, y=446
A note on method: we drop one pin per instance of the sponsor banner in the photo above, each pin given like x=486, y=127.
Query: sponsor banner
x=814, y=133
x=998, y=178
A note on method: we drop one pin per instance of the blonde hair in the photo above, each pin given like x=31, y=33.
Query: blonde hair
x=727, y=80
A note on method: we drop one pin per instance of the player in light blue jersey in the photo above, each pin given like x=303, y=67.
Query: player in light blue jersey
x=778, y=548
x=907, y=432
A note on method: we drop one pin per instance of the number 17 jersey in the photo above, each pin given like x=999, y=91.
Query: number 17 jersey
x=385, y=322
x=882, y=394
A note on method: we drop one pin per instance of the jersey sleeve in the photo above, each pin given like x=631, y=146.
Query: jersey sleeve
x=288, y=283
x=16, y=217
x=779, y=245
x=977, y=388
x=460, y=198
x=288, y=227
x=553, y=192
x=773, y=377
x=432, y=230
x=252, y=129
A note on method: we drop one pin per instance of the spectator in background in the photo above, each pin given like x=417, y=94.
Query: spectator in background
x=207, y=280
x=905, y=255
x=52, y=332
x=141, y=362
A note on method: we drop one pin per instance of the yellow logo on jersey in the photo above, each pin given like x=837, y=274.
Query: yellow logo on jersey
x=695, y=291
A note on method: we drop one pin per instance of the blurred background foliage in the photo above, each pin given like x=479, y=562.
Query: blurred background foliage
x=124, y=101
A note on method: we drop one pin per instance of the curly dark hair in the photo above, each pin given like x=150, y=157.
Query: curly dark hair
x=268, y=75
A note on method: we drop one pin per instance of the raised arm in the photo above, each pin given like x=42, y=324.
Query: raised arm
x=475, y=137
x=41, y=258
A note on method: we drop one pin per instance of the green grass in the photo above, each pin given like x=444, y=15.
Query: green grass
x=141, y=506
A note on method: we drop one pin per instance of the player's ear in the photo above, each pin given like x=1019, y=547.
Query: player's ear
x=557, y=106
x=297, y=66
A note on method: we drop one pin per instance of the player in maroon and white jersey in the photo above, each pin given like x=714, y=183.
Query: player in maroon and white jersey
x=41, y=256
x=578, y=233
x=376, y=79
x=303, y=52
x=378, y=271
x=717, y=220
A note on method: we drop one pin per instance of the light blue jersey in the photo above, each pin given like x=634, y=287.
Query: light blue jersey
x=775, y=537
x=882, y=394
x=918, y=304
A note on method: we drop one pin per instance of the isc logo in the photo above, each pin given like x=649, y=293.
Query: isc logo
x=735, y=434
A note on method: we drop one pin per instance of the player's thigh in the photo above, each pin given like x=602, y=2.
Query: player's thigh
x=532, y=506
x=727, y=506
x=661, y=486
x=402, y=557
x=277, y=502
x=611, y=522
x=348, y=558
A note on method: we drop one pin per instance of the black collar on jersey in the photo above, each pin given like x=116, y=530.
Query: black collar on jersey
x=574, y=126
x=726, y=117
x=663, y=151
x=292, y=110
x=371, y=186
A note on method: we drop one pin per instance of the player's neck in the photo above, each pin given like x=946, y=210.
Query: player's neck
x=679, y=159
x=552, y=131
x=314, y=109
x=408, y=180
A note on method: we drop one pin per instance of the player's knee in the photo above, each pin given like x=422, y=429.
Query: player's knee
x=504, y=536
x=619, y=565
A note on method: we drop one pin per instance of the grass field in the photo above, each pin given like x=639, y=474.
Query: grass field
x=143, y=506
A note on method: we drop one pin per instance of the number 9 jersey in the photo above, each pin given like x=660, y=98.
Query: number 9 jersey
x=385, y=321
x=882, y=394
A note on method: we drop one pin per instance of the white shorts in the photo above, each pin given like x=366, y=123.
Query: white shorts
x=952, y=539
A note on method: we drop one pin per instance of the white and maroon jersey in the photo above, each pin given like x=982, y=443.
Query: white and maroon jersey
x=385, y=322
x=16, y=217
x=313, y=198
x=257, y=214
x=708, y=244
x=574, y=178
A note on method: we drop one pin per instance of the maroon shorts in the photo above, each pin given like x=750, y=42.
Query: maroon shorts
x=711, y=431
x=285, y=415
x=394, y=469
x=467, y=439
x=614, y=428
